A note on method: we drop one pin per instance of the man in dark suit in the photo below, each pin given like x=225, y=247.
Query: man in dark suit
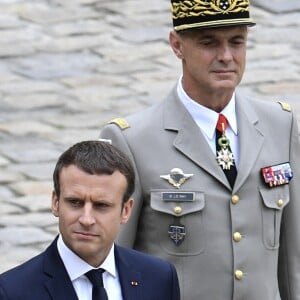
x=226, y=214
x=93, y=184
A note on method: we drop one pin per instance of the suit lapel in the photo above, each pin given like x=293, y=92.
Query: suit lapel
x=251, y=139
x=190, y=140
x=59, y=284
x=130, y=279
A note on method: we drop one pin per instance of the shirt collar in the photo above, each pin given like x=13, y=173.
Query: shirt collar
x=206, y=118
x=76, y=267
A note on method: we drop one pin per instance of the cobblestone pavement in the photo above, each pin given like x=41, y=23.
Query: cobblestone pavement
x=69, y=66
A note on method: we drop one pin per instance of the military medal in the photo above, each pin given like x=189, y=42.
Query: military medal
x=176, y=177
x=225, y=157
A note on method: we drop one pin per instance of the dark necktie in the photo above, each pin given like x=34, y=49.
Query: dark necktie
x=225, y=157
x=95, y=277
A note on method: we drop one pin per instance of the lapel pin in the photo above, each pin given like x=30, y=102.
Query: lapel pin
x=176, y=177
x=134, y=283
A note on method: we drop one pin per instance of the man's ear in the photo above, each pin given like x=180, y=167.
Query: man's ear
x=126, y=211
x=175, y=43
x=54, y=205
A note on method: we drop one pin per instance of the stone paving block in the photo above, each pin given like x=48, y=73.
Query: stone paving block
x=21, y=235
x=72, y=136
x=69, y=44
x=4, y=161
x=275, y=34
x=144, y=35
x=10, y=50
x=51, y=66
x=259, y=76
x=131, y=52
x=8, y=176
x=30, y=151
x=74, y=3
x=100, y=98
x=278, y=6
x=287, y=20
x=24, y=127
x=25, y=33
x=265, y=51
x=283, y=87
x=77, y=121
x=6, y=192
x=37, y=171
x=34, y=101
x=8, y=21
x=9, y=208
x=40, y=220
x=27, y=188
x=50, y=14
x=124, y=68
x=97, y=80
x=25, y=86
x=171, y=61
x=78, y=28
x=32, y=203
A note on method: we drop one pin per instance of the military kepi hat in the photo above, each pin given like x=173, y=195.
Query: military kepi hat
x=197, y=14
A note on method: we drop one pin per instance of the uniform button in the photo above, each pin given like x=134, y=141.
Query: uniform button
x=239, y=274
x=177, y=210
x=235, y=199
x=237, y=237
x=280, y=203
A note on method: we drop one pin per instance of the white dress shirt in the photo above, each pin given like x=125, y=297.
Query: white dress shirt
x=207, y=119
x=76, y=268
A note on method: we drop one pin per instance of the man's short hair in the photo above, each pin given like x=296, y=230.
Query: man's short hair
x=96, y=157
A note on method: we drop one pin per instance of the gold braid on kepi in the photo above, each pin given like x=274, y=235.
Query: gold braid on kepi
x=197, y=14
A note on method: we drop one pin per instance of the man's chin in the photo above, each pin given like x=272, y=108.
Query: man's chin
x=225, y=85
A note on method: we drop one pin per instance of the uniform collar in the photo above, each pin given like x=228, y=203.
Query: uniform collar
x=206, y=118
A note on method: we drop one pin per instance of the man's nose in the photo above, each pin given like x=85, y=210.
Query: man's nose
x=225, y=53
x=86, y=217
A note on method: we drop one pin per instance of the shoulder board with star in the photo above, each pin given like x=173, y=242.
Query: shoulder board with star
x=285, y=106
x=122, y=123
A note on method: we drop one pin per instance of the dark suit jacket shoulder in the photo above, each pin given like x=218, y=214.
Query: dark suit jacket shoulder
x=44, y=277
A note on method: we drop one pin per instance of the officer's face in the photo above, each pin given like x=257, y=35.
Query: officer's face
x=90, y=211
x=213, y=59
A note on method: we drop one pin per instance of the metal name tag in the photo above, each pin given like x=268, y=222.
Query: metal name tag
x=178, y=196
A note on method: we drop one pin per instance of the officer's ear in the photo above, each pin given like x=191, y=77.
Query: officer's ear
x=176, y=43
x=126, y=211
x=55, y=204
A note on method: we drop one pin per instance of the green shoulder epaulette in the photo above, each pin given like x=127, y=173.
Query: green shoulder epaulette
x=123, y=124
x=285, y=106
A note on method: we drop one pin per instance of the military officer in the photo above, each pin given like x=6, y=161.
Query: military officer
x=217, y=172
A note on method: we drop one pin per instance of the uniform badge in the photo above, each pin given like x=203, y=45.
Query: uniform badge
x=176, y=177
x=177, y=233
x=123, y=124
x=277, y=175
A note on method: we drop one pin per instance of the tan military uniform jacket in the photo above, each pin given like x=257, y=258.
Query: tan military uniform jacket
x=230, y=239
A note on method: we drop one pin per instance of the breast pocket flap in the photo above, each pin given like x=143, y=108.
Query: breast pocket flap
x=177, y=203
x=275, y=198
